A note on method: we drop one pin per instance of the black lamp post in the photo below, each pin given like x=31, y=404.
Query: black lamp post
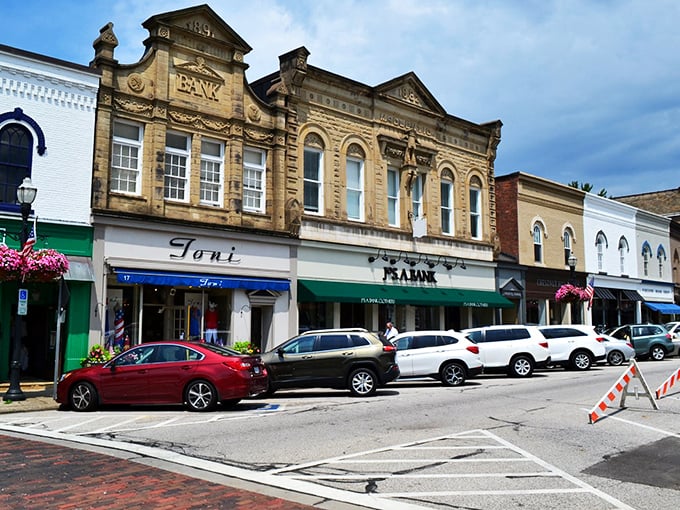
x=25, y=196
x=572, y=260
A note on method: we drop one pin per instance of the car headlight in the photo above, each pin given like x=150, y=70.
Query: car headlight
x=63, y=377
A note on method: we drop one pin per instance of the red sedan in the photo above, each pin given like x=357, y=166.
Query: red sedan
x=195, y=374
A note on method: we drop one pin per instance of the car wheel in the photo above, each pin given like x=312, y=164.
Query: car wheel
x=657, y=353
x=200, y=396
x=615, y=358
x=581, y=360
x=362, y=382
x=452, y=374
x=82, y=396
x=521, y=366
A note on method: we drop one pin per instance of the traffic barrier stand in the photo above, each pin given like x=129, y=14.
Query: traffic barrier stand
x=667, y=384
x=621, y=388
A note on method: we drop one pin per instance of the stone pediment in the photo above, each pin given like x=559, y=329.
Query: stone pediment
x=200, y=68
x=408, y=89
x=201, y=23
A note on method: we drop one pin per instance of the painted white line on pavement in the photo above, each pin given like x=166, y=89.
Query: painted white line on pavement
x=114, y=425
x=80, y=423
x=623, y=420
x=429, y=476
x=300, y=486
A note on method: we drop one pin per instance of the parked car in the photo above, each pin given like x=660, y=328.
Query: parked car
x=196, y=374
x=674, y=329
x=516, y=350
x=573, y=345
x=353, y=359
x=649, y=340
x=617, y=351
x=443, y=355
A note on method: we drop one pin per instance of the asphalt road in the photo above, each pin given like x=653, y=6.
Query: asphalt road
x=495, y=443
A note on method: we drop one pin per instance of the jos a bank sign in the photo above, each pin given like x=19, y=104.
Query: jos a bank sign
x=408, y=275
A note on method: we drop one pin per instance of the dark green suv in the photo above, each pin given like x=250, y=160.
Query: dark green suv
x=353, y=359
x=649, y=340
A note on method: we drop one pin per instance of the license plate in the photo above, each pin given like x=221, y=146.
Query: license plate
x=256, y=369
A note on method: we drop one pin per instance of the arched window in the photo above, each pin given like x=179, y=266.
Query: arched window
x=538, y=244
x=16, y=144
x=355, y=182
x=646, y=255
x=623, y=250
x=661, y=256
x=313, y=174
x=475, y=208
x=446, y=188
x=600, y=245
x=567, y=246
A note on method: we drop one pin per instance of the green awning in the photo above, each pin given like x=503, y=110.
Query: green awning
x=345, y=292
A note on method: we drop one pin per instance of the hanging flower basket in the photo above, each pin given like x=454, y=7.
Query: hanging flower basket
x=569, y=293
x=38, y=266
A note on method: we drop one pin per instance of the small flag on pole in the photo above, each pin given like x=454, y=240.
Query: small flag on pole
x=590, y=290
x=30, y=241
x=119, y=325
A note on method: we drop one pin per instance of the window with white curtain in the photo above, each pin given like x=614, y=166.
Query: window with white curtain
x=417, y=195
x=567, y=246
x=623, y=249
x=355, y=188
x=538, y=244
x=313, y=180
x=446, y=191
x=475, y=208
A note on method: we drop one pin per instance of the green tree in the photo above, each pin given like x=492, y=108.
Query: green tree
x=587, y=187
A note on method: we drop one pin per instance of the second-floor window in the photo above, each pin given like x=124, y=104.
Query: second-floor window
x=567, y=247
x=392, y=197
x=355, y=189
x=446, y=187
x=313, y=180
x=417, y=192
x=646, y=255
x=254, y=162
x=212, y=160
x=600, y=244
x=661, y=256
x=125, y=157
x=623, y=249
x=538, y=244
x=475, y=210
x=177, y=157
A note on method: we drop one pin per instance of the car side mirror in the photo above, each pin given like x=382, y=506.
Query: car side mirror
x=280, y=351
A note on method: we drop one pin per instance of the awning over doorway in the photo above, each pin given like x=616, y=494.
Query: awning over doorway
x=604, y=293
x=664, y=308
x=346, y=292
x=79, y=269
x=205, y=281
x=632, y=295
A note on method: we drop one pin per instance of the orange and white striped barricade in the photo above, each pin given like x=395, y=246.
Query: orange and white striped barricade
x=667, y=384
x=620, y=388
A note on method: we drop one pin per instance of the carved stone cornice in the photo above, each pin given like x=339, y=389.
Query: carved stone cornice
x=132, y=105
x=199, y=121
x=258, y=136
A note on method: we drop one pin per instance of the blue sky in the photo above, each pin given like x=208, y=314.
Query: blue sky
x=587, y=90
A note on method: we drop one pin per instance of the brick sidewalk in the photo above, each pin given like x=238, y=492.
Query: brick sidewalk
x=44, y=476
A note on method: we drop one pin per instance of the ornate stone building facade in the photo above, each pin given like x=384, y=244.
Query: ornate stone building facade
x=304, y=199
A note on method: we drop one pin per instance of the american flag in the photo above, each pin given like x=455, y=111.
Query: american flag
x=590, y=290
x=119, y=325
x=30, y=241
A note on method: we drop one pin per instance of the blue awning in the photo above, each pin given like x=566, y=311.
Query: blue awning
x=664, y=308
x=204, y=281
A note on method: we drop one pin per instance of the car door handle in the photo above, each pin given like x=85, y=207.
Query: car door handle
x=307, y=357
x=186, y=367
x=349, y=353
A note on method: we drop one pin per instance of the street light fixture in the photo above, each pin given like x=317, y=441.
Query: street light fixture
x=26, y=193
x=572, y=260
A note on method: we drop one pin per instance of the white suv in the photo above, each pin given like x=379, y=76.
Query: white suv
x=574, y=345
x=443, y=355
x=511, y=348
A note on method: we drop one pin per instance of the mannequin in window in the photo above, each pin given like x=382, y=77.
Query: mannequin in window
x=194, y=321
x=211, y=320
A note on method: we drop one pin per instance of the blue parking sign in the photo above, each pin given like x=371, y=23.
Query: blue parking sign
x=22, y=307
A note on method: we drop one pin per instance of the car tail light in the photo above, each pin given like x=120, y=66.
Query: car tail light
x=473, y=349
x=389, y=348
x=668, y=335
x=600, y=339
x=238, y=364
x=543, y=344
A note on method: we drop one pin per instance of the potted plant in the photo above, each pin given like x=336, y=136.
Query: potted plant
x=569, y=293
x=245, y=347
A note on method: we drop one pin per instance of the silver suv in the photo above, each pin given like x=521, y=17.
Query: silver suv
x=574, y=345
x=514, y=349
